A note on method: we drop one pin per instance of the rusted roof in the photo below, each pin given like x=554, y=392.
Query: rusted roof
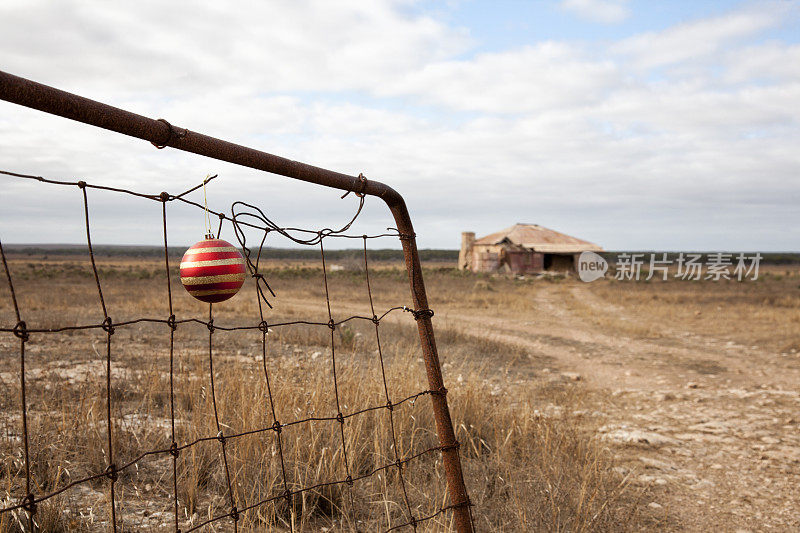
x=539, y=239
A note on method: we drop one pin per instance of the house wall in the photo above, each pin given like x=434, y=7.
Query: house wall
x=524, y=262
x=487, y=258
x=494, y=258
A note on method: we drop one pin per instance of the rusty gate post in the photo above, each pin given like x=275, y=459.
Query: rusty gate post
x=162, y=134
x=444, y=425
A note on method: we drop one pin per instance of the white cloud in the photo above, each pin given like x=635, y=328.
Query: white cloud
x=695, y=40
x=169, y=49
x=603, y=141
x=770, y=62
x=529, y=79
x=605, y=11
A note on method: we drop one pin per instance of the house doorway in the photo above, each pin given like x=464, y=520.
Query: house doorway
x=559, y=262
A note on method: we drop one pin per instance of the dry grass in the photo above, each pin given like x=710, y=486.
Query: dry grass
x=530, y=464
x=764, y=312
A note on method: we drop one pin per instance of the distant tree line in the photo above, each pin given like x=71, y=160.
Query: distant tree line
x=297, y=254
x=312, y=254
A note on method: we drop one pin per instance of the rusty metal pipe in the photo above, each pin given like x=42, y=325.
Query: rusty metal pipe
x=161, y=133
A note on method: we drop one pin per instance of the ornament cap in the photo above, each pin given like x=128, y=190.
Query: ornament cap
x=210, y=236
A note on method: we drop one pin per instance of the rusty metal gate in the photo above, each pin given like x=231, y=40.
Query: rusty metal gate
x=162, y=134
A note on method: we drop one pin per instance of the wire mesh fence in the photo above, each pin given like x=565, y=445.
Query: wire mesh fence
x=278, y=464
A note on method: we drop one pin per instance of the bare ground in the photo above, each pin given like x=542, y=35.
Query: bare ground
x=710, y=425
x=691, y=388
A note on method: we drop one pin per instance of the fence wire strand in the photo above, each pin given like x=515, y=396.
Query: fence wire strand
x=242, y=216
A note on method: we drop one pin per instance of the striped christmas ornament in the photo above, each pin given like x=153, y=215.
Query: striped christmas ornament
x=212, y=270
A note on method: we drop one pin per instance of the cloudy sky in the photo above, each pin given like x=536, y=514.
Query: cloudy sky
x=633, y=124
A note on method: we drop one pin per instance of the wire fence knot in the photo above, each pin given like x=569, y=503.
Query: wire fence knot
x=465, y=503
x=111, y=472
x=164, y=196
x=171, y=322
x=173, y=449
x=263, y=327
x=29, y=503
x=21, y=331
x=450, y=447
x=419, y=314
x=108, y=325
x=277, y=427
x=362, y=187
x=331, y=324
x=210, y=325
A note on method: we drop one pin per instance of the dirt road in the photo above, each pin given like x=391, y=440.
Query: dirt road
x=710, y=425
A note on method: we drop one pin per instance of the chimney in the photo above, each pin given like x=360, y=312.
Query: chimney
x=465, y=255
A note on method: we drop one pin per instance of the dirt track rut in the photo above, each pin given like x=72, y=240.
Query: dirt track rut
x=711, y=426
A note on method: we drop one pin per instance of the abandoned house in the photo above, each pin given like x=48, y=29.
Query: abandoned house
x=522, y=249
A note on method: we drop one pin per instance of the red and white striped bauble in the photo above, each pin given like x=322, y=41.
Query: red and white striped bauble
x=212, y=270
